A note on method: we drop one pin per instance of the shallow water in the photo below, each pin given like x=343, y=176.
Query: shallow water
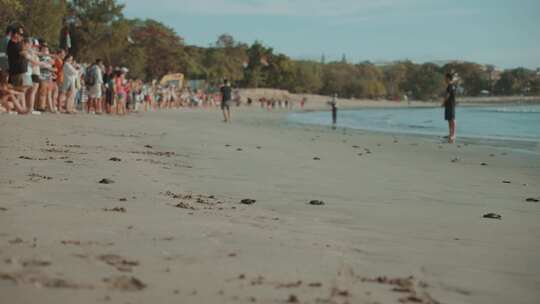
x=520, y=123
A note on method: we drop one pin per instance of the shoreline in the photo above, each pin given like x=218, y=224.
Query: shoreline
x=528, y=145
x=315, y=102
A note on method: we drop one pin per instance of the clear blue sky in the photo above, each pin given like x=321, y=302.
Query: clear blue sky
x=502, y=32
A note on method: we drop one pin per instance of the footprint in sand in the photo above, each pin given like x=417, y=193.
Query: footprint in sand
x=120, y=263
x=125, y=283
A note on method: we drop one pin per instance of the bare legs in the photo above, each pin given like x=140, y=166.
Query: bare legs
x=226, y=114
x=31, y=96
x=452, y=131
x=17, y=100
x=121, y=105
x=70, y=101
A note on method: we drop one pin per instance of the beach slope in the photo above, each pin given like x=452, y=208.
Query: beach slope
x=148, y=209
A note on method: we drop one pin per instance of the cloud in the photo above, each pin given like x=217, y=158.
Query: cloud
x=313, y=8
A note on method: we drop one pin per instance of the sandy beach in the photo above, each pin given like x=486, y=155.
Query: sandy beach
x=147, y=209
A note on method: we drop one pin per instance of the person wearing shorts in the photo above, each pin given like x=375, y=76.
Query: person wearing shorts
x=18, y=65
x=120, y=91
x=449, y=105
x=94, y=90
x=226, y=94
x=69, y=87
x=45, y=101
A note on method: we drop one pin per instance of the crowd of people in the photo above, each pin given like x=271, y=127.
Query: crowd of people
x=35, y=79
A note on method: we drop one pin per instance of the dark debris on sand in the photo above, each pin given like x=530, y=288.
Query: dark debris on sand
x=156, y=153
x=115, y=159
x=40, y=280
x=184, y=205
x=316, y=202
x=494, y=216
x=248, y=201
x=106, y=181
x=415, y=291
x=120, y=263
x=293, y=299
x=532, y=200
x=190, y=200
x=116, y=209
x=36, y=177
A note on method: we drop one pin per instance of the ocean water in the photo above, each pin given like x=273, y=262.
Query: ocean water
x=508, y=123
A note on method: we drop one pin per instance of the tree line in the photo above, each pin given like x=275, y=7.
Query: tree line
x=151, y=49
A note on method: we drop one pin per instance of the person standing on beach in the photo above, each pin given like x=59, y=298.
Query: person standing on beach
x=94, y=81
x=226, y=94
x=449, y=105
x=18, y=64
x=333, y=104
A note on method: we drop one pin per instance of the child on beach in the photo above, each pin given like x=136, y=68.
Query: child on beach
x=449, y=105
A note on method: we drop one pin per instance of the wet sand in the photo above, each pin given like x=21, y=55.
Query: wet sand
x=148, y=209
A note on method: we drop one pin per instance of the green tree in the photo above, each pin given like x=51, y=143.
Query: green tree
x=95, y=26
x=516, y=82
x=256, y=72
x=425, y=82
x=163, y=48
x=474, y=77
x=338, y=78
x=43, y=18
x=225, y=41
x=395, y=77
x=307, y=77
x=10, y=11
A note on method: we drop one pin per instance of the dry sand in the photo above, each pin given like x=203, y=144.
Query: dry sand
x=402, y=222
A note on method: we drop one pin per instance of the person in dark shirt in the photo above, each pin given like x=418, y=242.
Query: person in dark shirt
x=17, y=62
x=449, y=105
x=333, y=105
x=226, y=94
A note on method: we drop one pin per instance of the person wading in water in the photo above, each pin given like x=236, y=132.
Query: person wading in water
x=333, y=104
